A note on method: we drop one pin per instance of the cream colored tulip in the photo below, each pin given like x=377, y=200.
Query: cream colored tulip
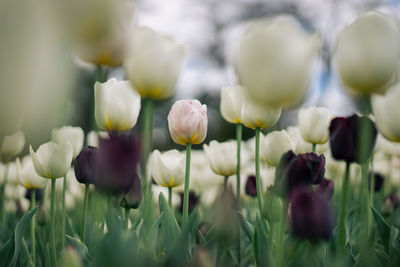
x=274, y=145
x=13, y=144
x=255, y=115
x=52, y=160
x=231, y=103
x=74, y=135
x=222, y=157
x=117, y=105
x=274, y=61
x=301, y=146
x=153, y=63
x=386, y=110
x=167, y=169
x=386, y=146
x=367, y=53
x=314, y=124
x=27, y=175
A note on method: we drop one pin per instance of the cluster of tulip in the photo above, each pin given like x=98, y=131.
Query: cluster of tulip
x=299, y=216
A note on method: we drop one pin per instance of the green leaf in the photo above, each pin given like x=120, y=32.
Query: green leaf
x=80, y=247
x=169, y=226
x=153, y=234
x=260, y=246
x=383, y=229
x=394, y=241
x=247, y=228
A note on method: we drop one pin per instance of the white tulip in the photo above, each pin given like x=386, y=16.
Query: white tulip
x=255, y=115
x=274, y=61
x=386, y=110
x=222, y=157
x=201, y=176
x=74, y=135
x=231, y=103
x=367, y=53
x=13, y=144
x=301, y=146
x=153, y=63
x=314, y=124
x=167, y=169
x=27, y=175
x=386, y=146
x=117, y=105
x=274, y=145
x=52, y=160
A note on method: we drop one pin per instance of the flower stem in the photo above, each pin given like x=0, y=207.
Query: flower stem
x=226, y=182
x=187, y=181
x=343, y=208
x=365, y=201
x=63, y=212
x=52, y=217
x=33, y=222
x=314, y=147
x=170, y=196
x=148, y=106
x=85, y=208
x=280, y=239
x=3, y=197
x=258, y=181
x=126, y=218
x=238, y=142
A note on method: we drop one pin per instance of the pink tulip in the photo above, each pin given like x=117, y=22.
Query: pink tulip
x=187, y=122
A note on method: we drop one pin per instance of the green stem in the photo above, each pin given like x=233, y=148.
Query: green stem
x=3, y=197
x=314, y=147
x=258, y=179
x=85, y=208
x=52, y=218
x=343, y=208
x=281, y=233
x=126, y=219
x=33, y=223
x=238, y=163
x=226, y=182
x=365, y=200
x=63, y=215
x=170, y=196
x=187, y=181
x=148, y=106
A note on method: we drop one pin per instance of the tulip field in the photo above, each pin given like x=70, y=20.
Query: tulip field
x=317, y=189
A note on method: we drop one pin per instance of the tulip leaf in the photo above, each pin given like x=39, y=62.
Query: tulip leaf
x=246, y=226
x=169, y=226
x=383, y=229
x=79, y=246
x=260, y=246
x=153, y=234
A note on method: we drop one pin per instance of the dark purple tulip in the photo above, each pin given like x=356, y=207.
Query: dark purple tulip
x=311, y=215
x=116, y=163
x=133, y=198
x=352, y=139
x=378, y=179
x=193, y=201
x=38, y=196
x=390, y=203
x=298, y=171
x=326, y=188
x=84, y=165
x=251, y=188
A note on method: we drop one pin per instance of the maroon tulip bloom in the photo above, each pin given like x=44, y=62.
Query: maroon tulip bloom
x=379, y=179
x=116, y=163
x=133, y=198
x=311, y=215
x=251, y=188
x=38, y=195
x=326, y=188
x=352, y=139
x=84, y=165
x=193, y=201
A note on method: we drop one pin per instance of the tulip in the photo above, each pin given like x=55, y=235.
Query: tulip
x=311, y=215
x=314, y=124
x=274, y=61
x=74, y=135
x=70, y=258
x=92, y=138
x=274, y=145
x=390, y=203
x=85, y=165
x=38, y=194
x=386, y=146
x=300, y=145
x=250, y=187
x=153, y=63
x=379, y=179
x=167, y=169
x=231, y=103
x=193, y=201
x=132, y=199
x=326, y=188
x=13, y=144
x=352, y=139
x=222, y=157
x=27, y=175
x=385, y=109
x=255, y=115
x=367, y=53
x=117, y=105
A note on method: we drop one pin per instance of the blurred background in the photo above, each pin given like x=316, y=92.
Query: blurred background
x=41, y=75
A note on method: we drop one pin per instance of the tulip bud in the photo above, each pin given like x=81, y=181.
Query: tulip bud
x=314, y=124
x=133, y=198
x=367, y=53
x=13, y=144
x=70, y=258
x=27, y=175
x=153, y=63
x=187, y=122
x=326, y=188
x=352, y=139
x=117, y=105
x=274, y=145
x=52, y=160
x=385, y=109
x=85, y=164
x=231, y=103
x=311, y=215
x=251, y=188
x=116, y=163
x=74, y=135
x=255, y=115
x=167, y=169
x=222, y=157
x=272, y=207
x=274, y=61
x=193, y=201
